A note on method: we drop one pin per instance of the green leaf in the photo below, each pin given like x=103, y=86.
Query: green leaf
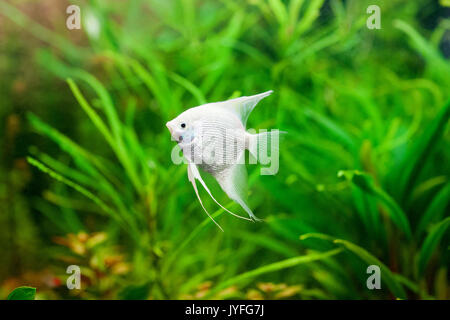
x=365, y=182
x=435, y=209
x=418, y=154
x=265, y=241
x=201, y=227
x=74, y=186
x=147, y=78
x=96, y=119
x=84, y=159
x=115, y=141
x=22, y=293
x=279, y=11
x=388, y=277
x=288, y=263
x=189, y=86
x=294, y=10
x=430, y=53
x=311, y=14
x=430, y=243
x=330, y=127
x=135, y=292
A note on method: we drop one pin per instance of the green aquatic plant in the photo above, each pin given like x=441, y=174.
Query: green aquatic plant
x=22, y=293
x=363, y=176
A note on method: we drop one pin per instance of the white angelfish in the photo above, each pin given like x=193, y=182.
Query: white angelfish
x=213, y=137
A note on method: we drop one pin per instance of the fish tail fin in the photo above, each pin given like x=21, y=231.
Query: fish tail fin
x=258, y=143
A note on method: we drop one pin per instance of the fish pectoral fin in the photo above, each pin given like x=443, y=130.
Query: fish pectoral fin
x=192, y=177
x=234, y=183
x=195, y=174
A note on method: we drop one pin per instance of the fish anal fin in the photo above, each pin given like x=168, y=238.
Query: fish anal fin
x=196, y=175
x=233, y=182
x=192, y=177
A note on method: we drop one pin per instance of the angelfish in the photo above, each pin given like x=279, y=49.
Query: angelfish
x=213, y=136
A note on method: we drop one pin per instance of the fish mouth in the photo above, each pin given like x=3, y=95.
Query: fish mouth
x=169, y=127
x=173, y=134
x=178, y=137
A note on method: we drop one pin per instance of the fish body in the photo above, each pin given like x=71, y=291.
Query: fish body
x=221, y=139
x=213, y=137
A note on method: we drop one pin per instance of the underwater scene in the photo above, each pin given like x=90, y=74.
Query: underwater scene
x=225, y=149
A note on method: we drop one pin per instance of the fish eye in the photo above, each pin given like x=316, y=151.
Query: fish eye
x=183, y=125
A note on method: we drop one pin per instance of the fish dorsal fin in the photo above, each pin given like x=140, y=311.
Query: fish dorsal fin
x=243, y=106
x=234, y=183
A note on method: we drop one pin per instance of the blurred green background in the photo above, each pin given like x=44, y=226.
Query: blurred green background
x=86, y=176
